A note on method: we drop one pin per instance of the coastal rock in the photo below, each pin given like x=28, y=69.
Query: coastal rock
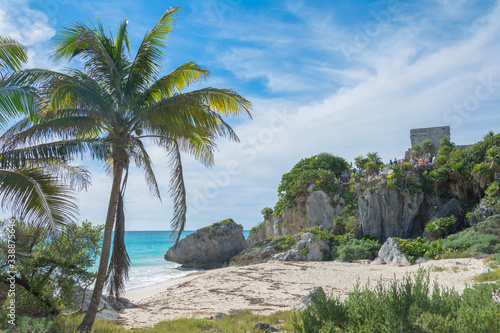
x=391, y=255
x=108, y=306
x=253, y=256
x=307, y=248
x=315, y=210
x=209, y=247
x=262, y=327
x=307, y=300
x=390, y=213
x=290, y=255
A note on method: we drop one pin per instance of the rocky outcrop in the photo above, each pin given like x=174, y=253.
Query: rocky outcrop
x=108, y=306
x=390, y=254
x=314, y=211
x=390, y=213
x=308, y=299
x=305, y=247
x=253, y=256
x=209, y=247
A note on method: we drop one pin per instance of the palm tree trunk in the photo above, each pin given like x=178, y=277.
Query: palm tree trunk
x=88, y=320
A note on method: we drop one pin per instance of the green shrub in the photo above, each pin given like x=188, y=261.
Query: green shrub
x=357, y=249
x=405, y=306
x=442, y=226
x=473, y=241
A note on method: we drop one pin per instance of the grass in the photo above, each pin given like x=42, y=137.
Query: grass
x=243, y=321
x=493, y=275
x=439, y=269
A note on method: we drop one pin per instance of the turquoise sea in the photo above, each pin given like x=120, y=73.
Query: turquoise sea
x=146, y=250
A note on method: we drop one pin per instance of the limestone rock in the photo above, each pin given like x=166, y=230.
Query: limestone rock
x=253, y=256
x=450, y=208
x=391, y=255
x=315, y=210
x=390, y=213
x=262, y=327
x=315, y=249
x=108, y=306
x=307, y=300
x=209, y=247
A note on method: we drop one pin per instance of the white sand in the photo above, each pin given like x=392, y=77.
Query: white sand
x=270, y=287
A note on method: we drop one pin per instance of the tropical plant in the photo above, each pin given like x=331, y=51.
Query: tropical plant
x=50, y=265
x=374, y=157
x=360, y=161
x=113, y=106
x=428, y=147
x=417, y=151
x=28, y=185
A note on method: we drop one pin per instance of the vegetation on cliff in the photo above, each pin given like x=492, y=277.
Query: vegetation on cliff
x=469, y=175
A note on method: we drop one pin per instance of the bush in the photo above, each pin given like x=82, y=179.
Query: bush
x=52, y=265
x=442, y=226
x=356, y=249
x=405, y=306
x=473, y=241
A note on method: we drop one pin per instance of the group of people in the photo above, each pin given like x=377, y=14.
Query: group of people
x=427, y=160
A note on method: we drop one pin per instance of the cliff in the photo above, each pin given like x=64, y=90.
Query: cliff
x=372, y=206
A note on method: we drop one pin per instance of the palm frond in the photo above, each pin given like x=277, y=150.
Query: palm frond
x=65, y=150
x=37, y=197
x=179, y=114
x=177, y=191
x=74, y=176
x=142, y=160
x=12, y=54
x=63, y=128
x=174, y=82
x=223, y=101
x=15, y=101
x=120, y=260
x=149, y=58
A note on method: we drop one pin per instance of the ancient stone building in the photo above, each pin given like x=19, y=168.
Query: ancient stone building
x=419, y=135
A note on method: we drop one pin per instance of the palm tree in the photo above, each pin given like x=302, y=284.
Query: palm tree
x=28, y=186
x=113, y=106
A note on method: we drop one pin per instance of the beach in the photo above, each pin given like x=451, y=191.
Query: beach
x=273, y=286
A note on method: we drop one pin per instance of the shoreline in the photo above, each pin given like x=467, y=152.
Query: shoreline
x=273, y=286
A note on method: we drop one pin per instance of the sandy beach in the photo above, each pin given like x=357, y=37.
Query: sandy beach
x=272, y=286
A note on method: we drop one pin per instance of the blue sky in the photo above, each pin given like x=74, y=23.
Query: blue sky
x=344, y=77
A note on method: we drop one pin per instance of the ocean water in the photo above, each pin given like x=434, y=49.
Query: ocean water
x=146, y=250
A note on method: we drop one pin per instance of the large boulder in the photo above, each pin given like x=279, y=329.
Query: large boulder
x=450, y=208
x=391, y=255
x=209, y=247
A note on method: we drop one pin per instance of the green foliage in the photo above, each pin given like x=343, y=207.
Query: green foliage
x=284, y=243
x=492, y=275
x=34, y=325
x=404, y=306
x=417, y=151
x=267, y=211
x=53, y=264
x=356, y=249
x=242, y=321
x=303, y=252
x=218, y=224
x=442, y=226
x=320, y=167
x=428, y=147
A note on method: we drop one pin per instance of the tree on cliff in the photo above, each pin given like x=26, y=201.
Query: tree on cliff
x=114, y=105
x=319, y=168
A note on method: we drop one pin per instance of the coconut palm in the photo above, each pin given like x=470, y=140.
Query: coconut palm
x=118, y=103
x=28, y=186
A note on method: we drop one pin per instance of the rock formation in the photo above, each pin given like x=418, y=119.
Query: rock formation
x=209, y=247
x=391, y=255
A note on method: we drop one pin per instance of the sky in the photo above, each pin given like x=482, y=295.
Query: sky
x=344, y=77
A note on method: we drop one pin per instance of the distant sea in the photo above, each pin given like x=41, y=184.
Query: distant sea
x=146, y=250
